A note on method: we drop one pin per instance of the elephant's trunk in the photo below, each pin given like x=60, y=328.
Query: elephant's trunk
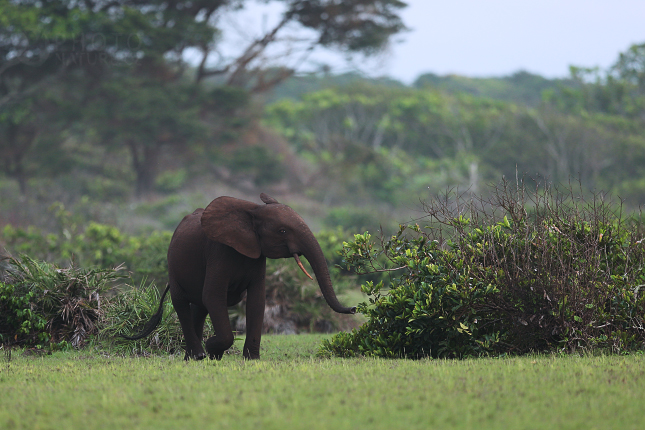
x=313, y=253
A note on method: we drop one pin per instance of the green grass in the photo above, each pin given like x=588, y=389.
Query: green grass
x=291, y=388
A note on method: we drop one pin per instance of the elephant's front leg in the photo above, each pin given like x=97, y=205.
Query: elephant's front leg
x=255, y=302
x=214, y=298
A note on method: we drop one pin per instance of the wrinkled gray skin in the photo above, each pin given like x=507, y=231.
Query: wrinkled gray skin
x=219, y=252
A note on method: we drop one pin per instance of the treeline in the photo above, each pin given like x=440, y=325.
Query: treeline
x=393, y=142
x=99, y=94
x=130, y=134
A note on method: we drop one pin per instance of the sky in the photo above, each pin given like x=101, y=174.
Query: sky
x=498, y=37
x=480, y=38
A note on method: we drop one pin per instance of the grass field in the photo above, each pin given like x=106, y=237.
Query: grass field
x=291, y=389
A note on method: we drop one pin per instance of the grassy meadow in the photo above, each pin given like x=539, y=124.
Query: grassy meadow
x=291, y=388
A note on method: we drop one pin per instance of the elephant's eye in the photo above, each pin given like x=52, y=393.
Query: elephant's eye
x=282, y=231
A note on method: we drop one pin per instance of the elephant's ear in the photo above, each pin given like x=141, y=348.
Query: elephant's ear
x=229, y=221
x=268, y=199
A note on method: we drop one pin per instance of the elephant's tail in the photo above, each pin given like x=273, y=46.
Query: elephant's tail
x=154, y=321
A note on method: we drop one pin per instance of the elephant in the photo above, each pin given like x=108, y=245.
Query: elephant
x=218, y=253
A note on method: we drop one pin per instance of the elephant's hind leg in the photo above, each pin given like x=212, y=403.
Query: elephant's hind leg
x=194, y=348
x=199, y=316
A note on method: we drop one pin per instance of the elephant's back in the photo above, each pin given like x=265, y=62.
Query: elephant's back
x=186, y=250
x=189, y=230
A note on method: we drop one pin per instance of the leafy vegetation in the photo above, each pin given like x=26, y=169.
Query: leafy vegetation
x=111, y=77
x=347, y=150
x=42, y=305
x=522, y=271
x=33, y=291
x=95, y=245
x=392, y=145
x=126, y=313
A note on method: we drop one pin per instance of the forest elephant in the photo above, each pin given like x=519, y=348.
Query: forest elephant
x=219, y=252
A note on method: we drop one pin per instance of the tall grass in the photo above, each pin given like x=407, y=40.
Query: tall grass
x=129, y=310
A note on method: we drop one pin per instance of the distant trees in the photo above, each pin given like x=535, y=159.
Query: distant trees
x=120, y=67
x=613, y=101
x=144, y=116
x=104, y=86
x=391, y=140
x=71, y=48
x=363, y=134
x=619, y=90
x=521, y=87
x=17, y=136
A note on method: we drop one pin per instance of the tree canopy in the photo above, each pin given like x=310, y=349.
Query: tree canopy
x=120, y=67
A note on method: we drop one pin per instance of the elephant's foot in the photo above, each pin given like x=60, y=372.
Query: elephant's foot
x=250, y=354
x=196, y=353
x=251, y=357
x=197, y=357
x=216, y=346
x=251, y=349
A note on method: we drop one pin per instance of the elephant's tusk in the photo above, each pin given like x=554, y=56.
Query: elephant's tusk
x=295, y=255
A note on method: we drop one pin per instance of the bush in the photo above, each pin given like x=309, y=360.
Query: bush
x=294, y=303
x=45, y=305
x=95, y=245
x=18, y=322
x=519, y=272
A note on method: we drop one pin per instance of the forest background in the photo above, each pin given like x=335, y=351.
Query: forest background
x=107, y=132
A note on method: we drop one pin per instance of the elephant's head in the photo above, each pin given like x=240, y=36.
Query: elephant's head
x=273, y=230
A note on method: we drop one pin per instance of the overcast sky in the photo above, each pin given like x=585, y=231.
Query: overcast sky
x=498, y=37
x=491, y=37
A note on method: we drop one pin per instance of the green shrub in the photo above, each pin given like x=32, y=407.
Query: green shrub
x=18, y=322
x=425, y=312
x=95, y=245
x=517, y=273
x=43, y=304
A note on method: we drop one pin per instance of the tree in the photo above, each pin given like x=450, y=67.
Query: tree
x=144, y=116
x=17, y=135
x=31, y=129
x=47, y=45
x=41, y=39
x=358, y=26
x=42, y=43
